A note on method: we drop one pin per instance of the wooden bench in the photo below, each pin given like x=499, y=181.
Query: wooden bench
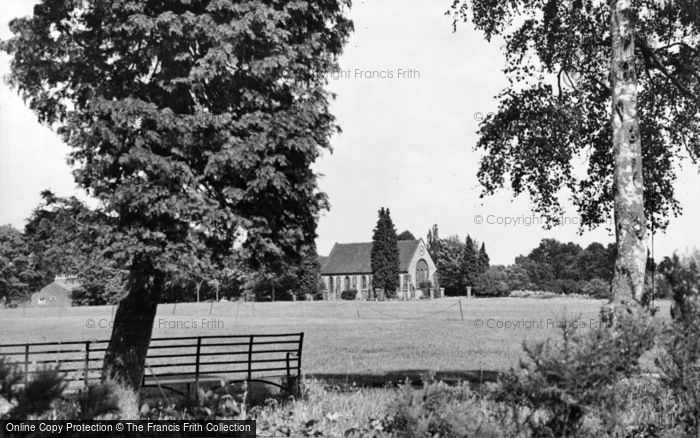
x=175, y=360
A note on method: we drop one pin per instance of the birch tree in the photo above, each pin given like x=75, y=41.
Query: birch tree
x=613, y=85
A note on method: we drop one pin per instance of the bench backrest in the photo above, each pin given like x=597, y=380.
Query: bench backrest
x=234, y=357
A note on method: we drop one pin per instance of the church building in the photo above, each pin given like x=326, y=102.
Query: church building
x=348, y=268
x=56, y=294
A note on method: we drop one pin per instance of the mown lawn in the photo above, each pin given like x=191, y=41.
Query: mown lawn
x=364, y=342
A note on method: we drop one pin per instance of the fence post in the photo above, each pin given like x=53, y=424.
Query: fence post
x=87, y=362
x=250, y=358
x=301, y=341
x=298, y=377
x=460, y=309
x=196, y=366
x=26, y=364
x=289, y=369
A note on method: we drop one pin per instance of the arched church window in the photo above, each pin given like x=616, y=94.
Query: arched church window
x=422, y=271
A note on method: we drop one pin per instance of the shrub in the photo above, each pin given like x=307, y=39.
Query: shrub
x=566, y=381
x=531, y=294
x=349, y=294
x=566, y=286
x=679, y=359
x=43, y=396
x=425, y=287
x=597, y=288
x=95, y=401
x=493, y=282
x=32, y=400
x=440, y=410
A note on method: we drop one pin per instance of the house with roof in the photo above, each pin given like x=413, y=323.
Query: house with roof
x=349, y=268
x=56, y=294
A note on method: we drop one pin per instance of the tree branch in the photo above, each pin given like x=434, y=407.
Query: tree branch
x=650, y=54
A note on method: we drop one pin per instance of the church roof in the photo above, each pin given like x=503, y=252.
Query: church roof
x=355, y=258
x=60, y=285
x=53, y=289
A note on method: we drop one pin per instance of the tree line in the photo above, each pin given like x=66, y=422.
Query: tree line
x=553, y=266
x=459, y=263
x=62, y=236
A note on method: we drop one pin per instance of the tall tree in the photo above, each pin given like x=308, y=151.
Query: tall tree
x=484, y=260
x=66, y=237
x=433, y=242
x=575, y=95
x=470, y=264
x=597, y=261
x=406, y=235
x=628, y=182
x=18, y=279
x=309, y=274
x=194, y=123
x=555, y=260
x=448, y=256
x=385, y=254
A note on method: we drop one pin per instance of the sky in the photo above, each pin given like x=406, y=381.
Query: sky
x=409, y=97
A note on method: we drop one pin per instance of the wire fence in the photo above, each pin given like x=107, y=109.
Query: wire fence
x=58, y=319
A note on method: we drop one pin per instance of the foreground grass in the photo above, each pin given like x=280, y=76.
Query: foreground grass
x=324, y=411
x=453, y=411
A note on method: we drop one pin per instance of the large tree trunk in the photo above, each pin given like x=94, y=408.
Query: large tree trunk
x=125, y=357
x=630, y=226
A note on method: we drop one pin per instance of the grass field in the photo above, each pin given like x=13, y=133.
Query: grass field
x=364, y=342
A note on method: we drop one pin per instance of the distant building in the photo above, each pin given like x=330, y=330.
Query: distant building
x=349, y=267
x=56, y=294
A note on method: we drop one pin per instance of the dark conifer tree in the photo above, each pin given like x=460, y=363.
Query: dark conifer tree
x=470, y=263
x=385, y=254
x=484, y=260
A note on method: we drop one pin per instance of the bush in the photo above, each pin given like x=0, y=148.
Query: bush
x=531, y=294
x=43, y=396
x=349, y=294
x=597, y=288
x=565, y=286
x=679, y=359
x=440, y=410
x=320, y=291
x=493, y=282
x=93, y=402
x=564, y=382
x=425, y=287
x=32, y=401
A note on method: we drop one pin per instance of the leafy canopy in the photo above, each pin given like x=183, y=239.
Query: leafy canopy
x=193, y=122
x=18, y=278
x=406, y=235
x=554, y=116
x=65, y=237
